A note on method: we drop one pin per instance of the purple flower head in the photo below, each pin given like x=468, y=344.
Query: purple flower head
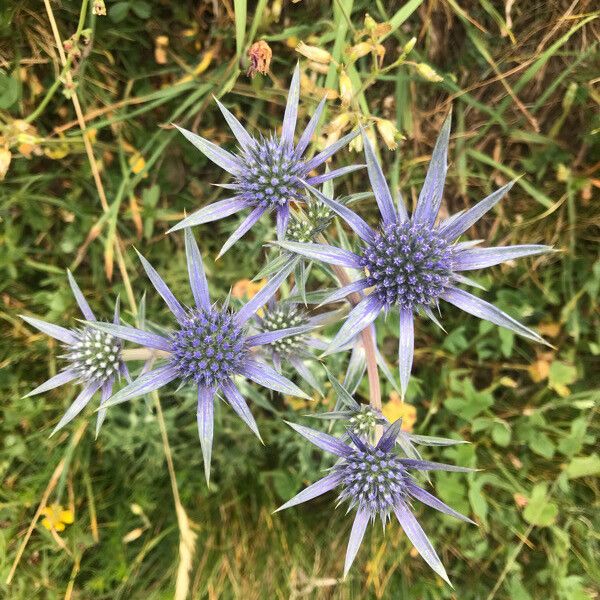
x=208, y=347
x=93, y=359
x=268, y=172
x=361, y=420
x=412, y=263
x=375, y=481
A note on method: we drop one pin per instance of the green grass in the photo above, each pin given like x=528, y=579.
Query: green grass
x=525, y=104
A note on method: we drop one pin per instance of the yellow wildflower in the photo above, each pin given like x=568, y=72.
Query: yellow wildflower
x=396, y=409
x=56, y=517
x=245, y=288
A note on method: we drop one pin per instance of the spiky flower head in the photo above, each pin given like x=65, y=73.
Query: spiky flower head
x=295, y=350
x=413, y=263
x=363, y=421
x=305, y=228
x=268, y=172
x=93, y=358
x=207, y=348
x=408, y=265
x=282, y=316
x=372, y=480
x=376, y=482
x=96, y=356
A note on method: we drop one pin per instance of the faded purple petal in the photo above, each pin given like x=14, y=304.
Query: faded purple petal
x=196, y=272
x=484, y=310
x=212, y=212
x=343, y=292
x=205, y=416
x=283, y=217
x=430, y=500
x=360, y=317
x=132, y=334
x=320, y=158
x=306, y=373
x=266, y=376
x=238, y=130
x=237, y=402
x=163, y=289
x=358, y=224
x=246, y=224
x=55, y=331
x=310, y=130
x=265, y=293
x=417, y=536
x=388, y=439
x=323, y=440
x=480, y=258
x=427, y=465
x=148, y=382
x=361, y=520
x=59, y=379
x=220, y=157
x=453, y=229
x=322, y=252
x=324, y=485
x=291, y=109
x=268, y=337
x=327, y=176
x=78, y=405
x=105, y=393
x=81, y=301
x=406, y=346
x=430, y=198
x=379, y=184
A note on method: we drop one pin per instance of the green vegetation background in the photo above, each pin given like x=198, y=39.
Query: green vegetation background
x=523, y=81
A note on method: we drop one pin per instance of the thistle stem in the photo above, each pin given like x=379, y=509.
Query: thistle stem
x=367, y=337
x=143, y=354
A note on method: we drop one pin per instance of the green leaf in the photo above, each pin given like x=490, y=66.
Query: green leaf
x=118, y=12
x=9, y=91
x=561, y=374
x=583, y=466
x=501, y=434
x=142, y=9
x=540, y=511
x=541, y=444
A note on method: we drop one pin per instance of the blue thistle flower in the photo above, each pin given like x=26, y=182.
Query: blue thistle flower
x=268, y=171
x=363, y=419
x=209, y=346
x=376, y=482
x=93, y=359
x=412, y=263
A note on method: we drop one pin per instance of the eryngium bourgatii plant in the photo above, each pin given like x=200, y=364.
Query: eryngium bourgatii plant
x=408, y=263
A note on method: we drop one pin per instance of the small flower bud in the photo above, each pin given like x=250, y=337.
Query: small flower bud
x=425, y=71
x=389, y=133
x=314, y=53
x=346, y=92
x=260, y=55
x=370, y=22
x=99, y=8
x=407, y=48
